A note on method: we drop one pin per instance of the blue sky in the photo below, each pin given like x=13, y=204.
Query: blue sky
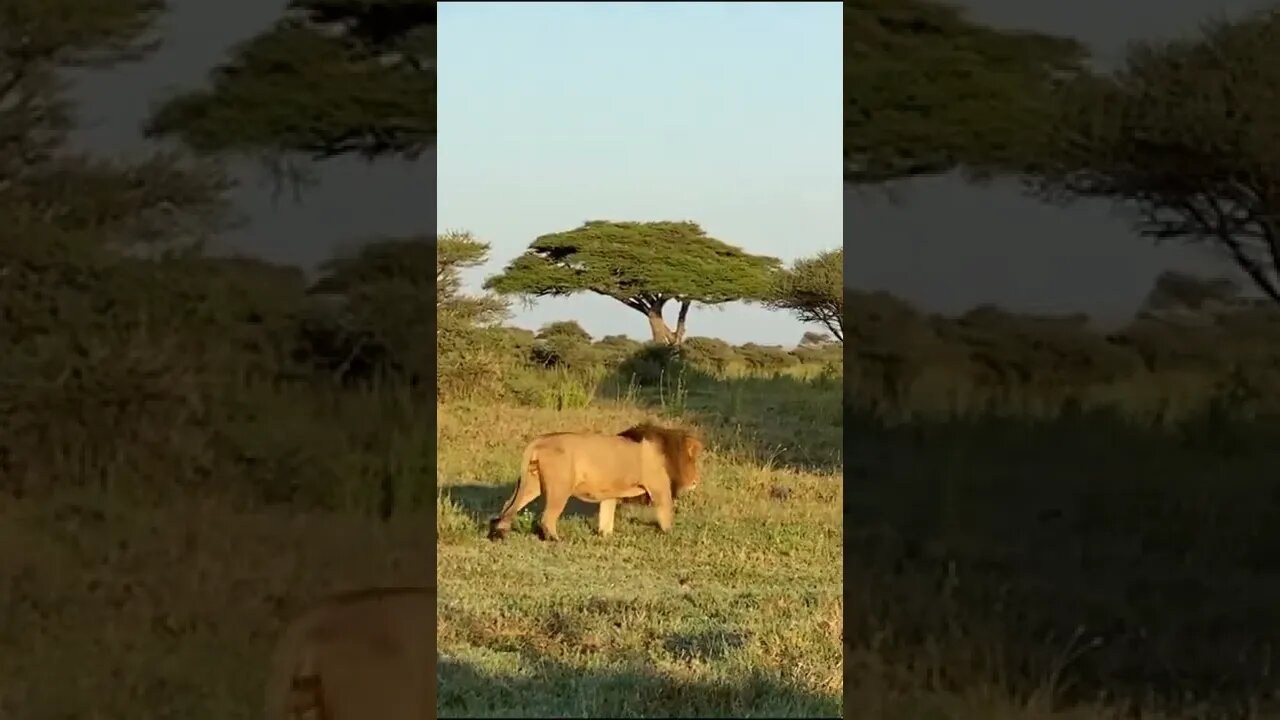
x=727, y=114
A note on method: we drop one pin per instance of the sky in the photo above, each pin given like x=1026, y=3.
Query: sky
x=946, y=247
x=728, y=115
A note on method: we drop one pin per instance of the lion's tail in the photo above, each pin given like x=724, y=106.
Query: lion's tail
x=293, y=680
x=529, y=473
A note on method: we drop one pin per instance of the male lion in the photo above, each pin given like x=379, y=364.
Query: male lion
x=645, y=460
x=357, y=656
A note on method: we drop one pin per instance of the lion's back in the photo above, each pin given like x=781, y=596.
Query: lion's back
x=592, y=460
x=600, y=451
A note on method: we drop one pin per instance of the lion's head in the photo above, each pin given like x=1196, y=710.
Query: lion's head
x=681, y=448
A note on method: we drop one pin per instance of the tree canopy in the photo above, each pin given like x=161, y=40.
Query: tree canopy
x=361, y=73
x=813, y=290
x=1184, y=132
x=643, y=265
x=927, y=91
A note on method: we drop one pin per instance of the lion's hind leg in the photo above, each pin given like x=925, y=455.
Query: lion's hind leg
x=527, y=490
x=557, y=499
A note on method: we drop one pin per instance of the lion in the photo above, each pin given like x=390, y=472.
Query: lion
x=644, y=460
x=357, y=655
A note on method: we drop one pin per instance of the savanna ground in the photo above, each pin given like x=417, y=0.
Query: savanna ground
x=1080, y=566
x=118, y=610
x=1041, y=562
x=737, y=612
x=1065, y=565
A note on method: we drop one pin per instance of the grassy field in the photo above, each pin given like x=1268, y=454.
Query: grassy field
x=737, y=613
x=120, y=611
x=1073, y=567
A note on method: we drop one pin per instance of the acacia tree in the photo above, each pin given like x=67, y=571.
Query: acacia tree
x=330, y=78
x=927, y=91
x=813, y=290
x=1184, y=132
x=643, y=265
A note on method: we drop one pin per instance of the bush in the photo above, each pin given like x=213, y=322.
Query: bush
x=766, y=357
x=564, y=351
x=652, y=364
x=612, y=350
x=712, y=354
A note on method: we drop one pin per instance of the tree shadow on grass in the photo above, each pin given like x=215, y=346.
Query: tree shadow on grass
x=548, y=688
x=784, y=421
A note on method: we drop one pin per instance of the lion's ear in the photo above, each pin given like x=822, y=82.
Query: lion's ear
x=693, y=446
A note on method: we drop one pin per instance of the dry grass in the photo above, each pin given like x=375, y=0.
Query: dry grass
x=737, y=613
x=1072, y=568
x=121, y=611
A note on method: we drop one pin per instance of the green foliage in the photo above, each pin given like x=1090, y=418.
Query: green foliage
x=643, y=265
x=383, y=287
x=652, y=364
x=613, y=349
x=766, y=357
x=66, y=32
x=710, y=353
x=150, y=374
x=564, y=351
x=927, y=91
x=1162, y=364
x=822, y=354
x=813, y=290
x=629, y=261
x=362, y=72
x=38, y=39
x=1179, y=133
x=564, y=344
x=817, y=339
x=159, y=200
x=469, y=345
x=568, y=329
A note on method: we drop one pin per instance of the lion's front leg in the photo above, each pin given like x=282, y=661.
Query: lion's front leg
x=605, y=523
x=663, y=506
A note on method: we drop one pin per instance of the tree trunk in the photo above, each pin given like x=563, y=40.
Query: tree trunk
x=658, y=326
x=684, y=313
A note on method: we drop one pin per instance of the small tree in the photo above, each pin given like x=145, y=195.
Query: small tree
x=386, y=287
x=643, y=265
x=813, y=289
x=564, y=343
x=614, y=349
x=1184, y=133
x=564, y=328
x=712, y=353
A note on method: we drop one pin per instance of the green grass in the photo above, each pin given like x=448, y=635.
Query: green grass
x=118, y=611
x=737, y=613
x=1066, y=567
x=1024, y=567
x=1052, y=563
